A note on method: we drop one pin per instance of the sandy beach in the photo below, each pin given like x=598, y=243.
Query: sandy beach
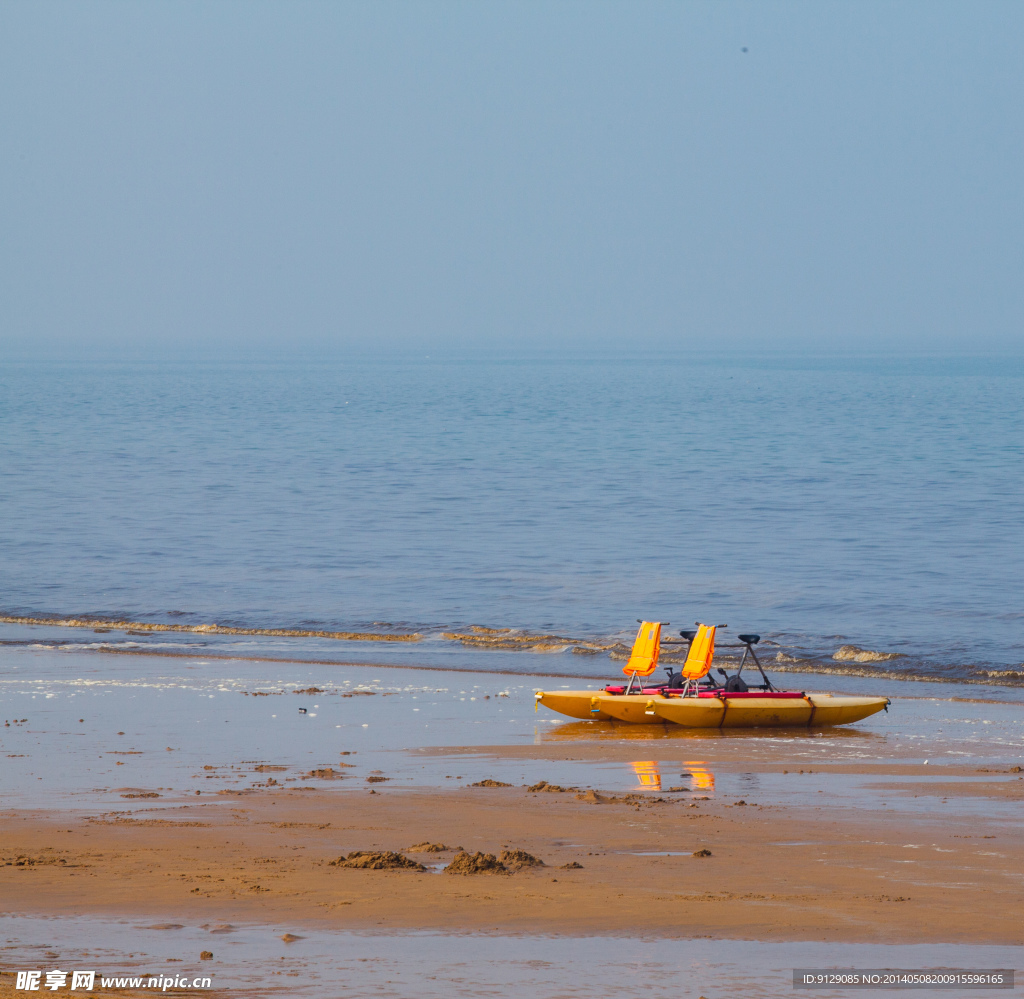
x=380, y=379
x=775, y=872
x=201, y=805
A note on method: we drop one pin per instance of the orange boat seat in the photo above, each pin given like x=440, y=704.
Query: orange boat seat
x=701, y=654
x=643, y=660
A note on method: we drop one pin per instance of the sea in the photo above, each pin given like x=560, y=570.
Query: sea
x=874, y=502
x=481, y=527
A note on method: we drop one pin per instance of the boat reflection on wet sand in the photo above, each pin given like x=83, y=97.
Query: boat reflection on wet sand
x=648, y=774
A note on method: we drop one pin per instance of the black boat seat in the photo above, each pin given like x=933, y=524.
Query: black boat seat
x=749, y=639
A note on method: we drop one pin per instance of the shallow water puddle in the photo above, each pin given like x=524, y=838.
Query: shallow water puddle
x=259, y=959
x=142, y=725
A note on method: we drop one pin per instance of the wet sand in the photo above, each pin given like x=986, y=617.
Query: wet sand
x=211, y=800
x=775, y=872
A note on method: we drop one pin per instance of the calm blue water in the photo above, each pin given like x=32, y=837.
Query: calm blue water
x=876, y=502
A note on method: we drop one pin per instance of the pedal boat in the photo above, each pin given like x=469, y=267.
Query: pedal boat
x=687, y=701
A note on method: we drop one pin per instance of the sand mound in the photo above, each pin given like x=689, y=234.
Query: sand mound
x=298, y=825
x=702, y=853
x=573, y=866
x=597, y=798
x=144, y=822
x=516, y=860
x=853, y=653
x=476, y=863
x=431, y=848
x=490, y=782
x=25, y=861
x=543, y=785
x=324, y=773
x=369, y=860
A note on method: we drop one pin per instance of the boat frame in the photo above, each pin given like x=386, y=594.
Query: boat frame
x=701, y=702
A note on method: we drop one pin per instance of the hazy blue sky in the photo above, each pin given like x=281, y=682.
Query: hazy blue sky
x=512, y=175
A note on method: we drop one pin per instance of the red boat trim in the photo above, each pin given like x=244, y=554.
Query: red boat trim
x=677, y=691
x=773, y=694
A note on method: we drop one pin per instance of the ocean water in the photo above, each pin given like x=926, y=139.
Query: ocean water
x=874, y=502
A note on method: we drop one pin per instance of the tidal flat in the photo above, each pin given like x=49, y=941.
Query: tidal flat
x=156, y=807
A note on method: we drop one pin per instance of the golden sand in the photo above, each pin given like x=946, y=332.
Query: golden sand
x=771, y=872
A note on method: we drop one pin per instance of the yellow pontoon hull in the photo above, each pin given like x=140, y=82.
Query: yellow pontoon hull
x=713, y=712
x=575, y=703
